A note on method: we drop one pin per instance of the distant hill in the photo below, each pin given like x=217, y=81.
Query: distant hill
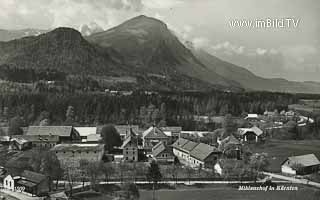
x=250, y=81
x=7, y=35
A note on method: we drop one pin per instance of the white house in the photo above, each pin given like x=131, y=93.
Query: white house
x=9, y=182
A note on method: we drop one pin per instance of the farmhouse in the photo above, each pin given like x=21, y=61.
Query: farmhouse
x=250, y=134
x=195, y=154
x=130, y=147
x=66, y=134
x=153, y=136
x=301, y=165
x=204, y=156
x=69, y=155
x=162, y=153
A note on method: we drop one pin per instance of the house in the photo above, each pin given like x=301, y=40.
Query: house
x=252, y=117
x=85, y=131
x=19, y=144
x=130, y=147
x=250, y=134
x=162, y=153
x=178, y=148
x=204, y=156
x=301, y=165
x=153, y=136
x=173, y=132
x=69, y=155
x=9, y=182
x=270, y=113
x=290, y=113
x=195, y=154
x=32, y=182
x=41, y=141
x=66, y=134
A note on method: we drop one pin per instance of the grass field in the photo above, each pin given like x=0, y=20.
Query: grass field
x=279, y=150
x=229, y=193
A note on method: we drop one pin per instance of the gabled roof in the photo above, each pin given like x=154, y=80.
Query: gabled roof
x=159, y=148
x=179, y=143
x=85, y=131
x=124, y=129
x=232, y=140
x=63, y=131
x=304, y=160
x=33, y=176
x=255, y=130
x=189, y=146
x=154, y=132
x=19, y=140
x=202, y=151
x=129, y=139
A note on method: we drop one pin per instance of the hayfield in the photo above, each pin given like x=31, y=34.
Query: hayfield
x=279, y=150
x=222, y=193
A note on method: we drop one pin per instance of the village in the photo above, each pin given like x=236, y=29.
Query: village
x=58, y=161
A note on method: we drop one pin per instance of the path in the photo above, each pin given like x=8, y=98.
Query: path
x=293, y=180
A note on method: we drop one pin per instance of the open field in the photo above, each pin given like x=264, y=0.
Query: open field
x=7, y=197
x=279, y=150
x=222, y=193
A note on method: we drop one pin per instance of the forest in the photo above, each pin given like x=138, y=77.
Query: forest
x=94, y=108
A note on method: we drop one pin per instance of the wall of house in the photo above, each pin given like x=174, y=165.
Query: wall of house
x=288, y=170
x=8, y=183
x=165, y=157
x=130, y=153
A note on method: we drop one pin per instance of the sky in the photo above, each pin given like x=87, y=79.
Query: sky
x=291, y=51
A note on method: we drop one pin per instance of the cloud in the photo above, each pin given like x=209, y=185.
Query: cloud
x=17, y=14
x=261, y=51
x=161, y=4
x=228, y=48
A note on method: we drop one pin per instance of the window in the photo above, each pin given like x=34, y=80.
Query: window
x=6, y=182
x=133, y=158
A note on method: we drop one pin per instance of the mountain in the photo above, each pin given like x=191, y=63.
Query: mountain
x=148, y=46
x=249, y=80
x=62, y=49
x=7, y=35
x=89, y=29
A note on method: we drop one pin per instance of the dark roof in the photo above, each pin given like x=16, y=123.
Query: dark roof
x=159, y=148
x=189, y=146
x=154, y=132
x=78, y=147
x=202, y=151
x=305, y=160
x=179, y=143
x=63, y=131
x=33, y=176
x=27, y=183
x=128, y=140
x=38, y=138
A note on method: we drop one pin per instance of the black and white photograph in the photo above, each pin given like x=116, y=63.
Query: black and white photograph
x=159, y=100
